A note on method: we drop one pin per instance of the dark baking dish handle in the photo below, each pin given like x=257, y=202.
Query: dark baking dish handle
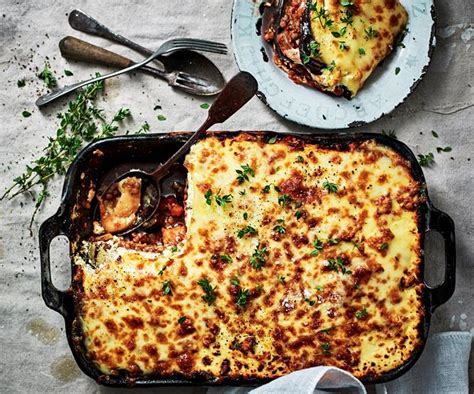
x=51, y=228
x=443, y=224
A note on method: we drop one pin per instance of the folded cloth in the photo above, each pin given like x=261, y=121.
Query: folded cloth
x=442, y=368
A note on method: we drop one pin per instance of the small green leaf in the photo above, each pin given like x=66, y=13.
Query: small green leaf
x=21, y=83
x=397, y=70
x=272, y=140
x=161, y=117
x=361, y=51
x=68, y=73
x=182, y=319
x=204, y=105
x=435, y=134
x=26, y=114
x=446, y=149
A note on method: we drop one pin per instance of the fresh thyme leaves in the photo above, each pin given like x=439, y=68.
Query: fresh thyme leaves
x=326, y=348
x=362, y=314
x=209, y=295
x=298, y=214
x=167, y=288
x=346, y=3
x=144, y=128
x=226, y=258
x=272, y=140
x=435, y=134
x=280, y=228
x=208, y=197
x=322, y=15
x=243, y=174
x=160, y=272
x=318, y=246
x=242, y=297
x=333, y=241
x=361, y=51
x=305, y=57
x=247, y=230
x=223, y=200
x=81, y=123
x=47, y=76
x=204, y=105
x=400, y=38
x=174, y=249
x=383, y=246
x=68, y=73
x=266, y=189
x=182, y=319
x=390, y=133
x=397, y=70
x=21, y=83
x=426, y=160
x=284, y=200
x=319, y=288
x=281, y=279
x=370, y=32
x=245, y=215
x=330, y=67
x=342, y=45
x=309, y=301
x=26, y=114
x=161, y=118
x=446, y=149
x=338, y=264
x=314, y=48
x=330, y=187
x=258, y=258
x=235, y=282
x=243, y=192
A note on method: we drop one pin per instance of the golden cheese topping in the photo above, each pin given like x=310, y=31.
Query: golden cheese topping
x=352, y=37
x=295, y=255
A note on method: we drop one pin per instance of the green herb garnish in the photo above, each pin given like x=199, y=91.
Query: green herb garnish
x=310, y=302
x=223, y=200
x=362, y=314
x=167, y=288
x=326, y=348
x=21, y=83
x=446, y=149
x=226, y=258
x=68, y=73
x=182, y=319
x=243, y=174
x=298, y=214
x=161, y=117
x=242, y=297
x=210, y=295
x=26, y=114
x=435, y=134
x=235, y=282
x=281, y=279
x=383, y=246
x=204, y=105
x=247, y=230
x=338, y=264
x=266, y=189
x=258, y=258
x=397, y=70
x=174, y=249
x=370, y=32
x=272, y=140
x=390, y=133
x=426, y=160
x=318, y=246
x=284, y=200
x=331, y=66
x=47, y=76
x=81, y=124
x=361, y=51
x=208, y=197
x=330, y=187
x=280, y=228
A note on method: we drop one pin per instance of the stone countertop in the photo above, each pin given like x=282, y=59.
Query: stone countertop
x=34, y=354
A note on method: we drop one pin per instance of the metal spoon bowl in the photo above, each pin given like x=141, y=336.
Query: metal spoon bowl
x=236, y=93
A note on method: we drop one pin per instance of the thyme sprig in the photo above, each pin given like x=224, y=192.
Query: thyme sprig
x=80, y=124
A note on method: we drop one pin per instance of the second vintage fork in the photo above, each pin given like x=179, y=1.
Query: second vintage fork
x=168, y=47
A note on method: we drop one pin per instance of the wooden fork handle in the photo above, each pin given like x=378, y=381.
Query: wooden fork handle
x=76, y=49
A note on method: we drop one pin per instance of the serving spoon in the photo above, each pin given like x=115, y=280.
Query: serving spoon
x=236, y=93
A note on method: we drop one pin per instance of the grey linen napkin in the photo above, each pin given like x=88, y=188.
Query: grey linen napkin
x=442, y=368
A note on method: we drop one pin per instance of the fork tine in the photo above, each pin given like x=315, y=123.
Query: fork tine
x=184, y=41
x=199, y=48
x=199, y=41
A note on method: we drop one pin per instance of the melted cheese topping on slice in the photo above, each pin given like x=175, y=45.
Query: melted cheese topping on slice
x=296, y=255
x=354, y=39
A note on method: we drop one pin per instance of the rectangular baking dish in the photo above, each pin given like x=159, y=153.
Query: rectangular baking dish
x=74, y=220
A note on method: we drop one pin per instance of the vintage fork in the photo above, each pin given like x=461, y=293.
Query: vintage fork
x=174, y=45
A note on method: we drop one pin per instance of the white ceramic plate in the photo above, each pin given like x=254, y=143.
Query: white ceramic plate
x=382, y=93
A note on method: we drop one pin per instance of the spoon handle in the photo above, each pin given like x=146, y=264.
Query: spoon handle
x=76, y=49
x=45, y=99
x=236, y=93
